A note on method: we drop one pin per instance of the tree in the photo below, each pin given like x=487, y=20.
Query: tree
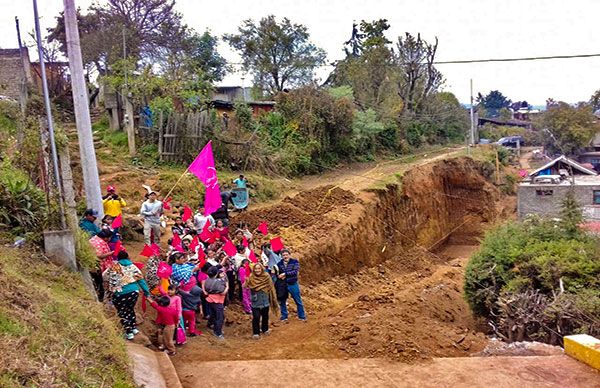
x=570, y=215
x=493, y=102
x=595, y=100
x=279, y=54
x=571, y=127
x=147, y=25
x=418, y=77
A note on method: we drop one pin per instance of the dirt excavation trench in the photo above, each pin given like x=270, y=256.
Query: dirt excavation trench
x=371, y=284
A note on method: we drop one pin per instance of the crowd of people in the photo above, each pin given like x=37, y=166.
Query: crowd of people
x=207, y=265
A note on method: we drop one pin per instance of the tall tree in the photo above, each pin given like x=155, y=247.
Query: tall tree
x=279, y=55
x=572, y=127
x=419, y=78
x=493, y=102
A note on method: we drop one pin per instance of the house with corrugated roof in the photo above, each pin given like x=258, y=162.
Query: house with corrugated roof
x=542, y=191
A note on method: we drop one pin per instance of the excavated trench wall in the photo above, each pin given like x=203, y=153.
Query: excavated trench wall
x=343, y=233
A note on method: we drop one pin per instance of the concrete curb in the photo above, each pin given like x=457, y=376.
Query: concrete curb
x=584, y=348
x=152, y=369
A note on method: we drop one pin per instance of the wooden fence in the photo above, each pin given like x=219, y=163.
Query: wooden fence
x=182, y=135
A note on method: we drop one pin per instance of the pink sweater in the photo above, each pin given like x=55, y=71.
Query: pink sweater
x=176, y=304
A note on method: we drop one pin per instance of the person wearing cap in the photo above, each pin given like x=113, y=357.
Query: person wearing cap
x=151, y=211
x=87, y=223
x=113, y=204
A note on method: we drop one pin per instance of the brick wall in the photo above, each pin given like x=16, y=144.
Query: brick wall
x=11, y=73
x=529, y=202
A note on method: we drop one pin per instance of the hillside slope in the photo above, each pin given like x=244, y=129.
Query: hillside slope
x=52, y=333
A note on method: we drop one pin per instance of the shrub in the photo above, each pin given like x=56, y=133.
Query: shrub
x=86, y=256
x=22, y=204
x=536, y=263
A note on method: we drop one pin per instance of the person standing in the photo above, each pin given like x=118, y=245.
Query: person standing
x=151, y=211
x=113, y=203
x=262, y=297
x=200, y=220
x=289, y=269
x=104, y=254
x=124, y=281
x=215, y=288
x=88, y=222
x=241, y=182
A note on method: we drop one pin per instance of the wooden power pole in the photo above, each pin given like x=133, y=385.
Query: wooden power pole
x=91, y=181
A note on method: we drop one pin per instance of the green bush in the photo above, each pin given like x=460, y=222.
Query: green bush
x=22, y=204
x=520, y=262
x=86, y=256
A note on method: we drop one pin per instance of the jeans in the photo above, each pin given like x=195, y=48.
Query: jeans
x=151, y=229
x=294, y=291
x=257, y=315
x=217, y=317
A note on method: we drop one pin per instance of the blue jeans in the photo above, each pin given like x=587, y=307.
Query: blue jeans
x=217, y=317
x=294, y=290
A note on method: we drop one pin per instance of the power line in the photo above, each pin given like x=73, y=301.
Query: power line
x=516, y=59
x=465, y=61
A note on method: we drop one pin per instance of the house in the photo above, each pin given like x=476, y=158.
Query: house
x=544, y=189
x=592, y=153
x=505, y=123
x=225, y=97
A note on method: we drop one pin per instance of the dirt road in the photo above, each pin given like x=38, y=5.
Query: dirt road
x=473, y=372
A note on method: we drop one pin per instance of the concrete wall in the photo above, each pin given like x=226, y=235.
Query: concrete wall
x=12, y=81
x=59, y=246
x=531, y=203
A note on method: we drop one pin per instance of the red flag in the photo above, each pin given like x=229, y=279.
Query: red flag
x=147, y=251
x=187, y=213
x=194, y=244
x=167, y=203
x=229, y=248
x=201, y=254
x=144, y=306
x=252, y=256
x=117, y=222
x=245, y=242
x=118, y=248
x=155, y=249
x=276, y=244
x=263, y=228
x=176, y=240
x=206, y=234
x=138, y=264
x=204, y=168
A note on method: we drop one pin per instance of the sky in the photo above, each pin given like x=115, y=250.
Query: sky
x=466, y=29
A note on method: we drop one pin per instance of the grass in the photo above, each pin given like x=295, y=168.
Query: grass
x=53, y=333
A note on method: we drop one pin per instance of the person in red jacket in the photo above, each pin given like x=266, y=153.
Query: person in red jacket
x=167, y=318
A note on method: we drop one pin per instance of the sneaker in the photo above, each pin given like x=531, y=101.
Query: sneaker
x=284, y=320
x=220, y=337
x=267, y=332
x=129, y=336
x=161, y=347
x=135, y=331
x=256, y=336
x=303, y=320
x=171, y=353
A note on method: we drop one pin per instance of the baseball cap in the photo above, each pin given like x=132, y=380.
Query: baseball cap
x=90, y=212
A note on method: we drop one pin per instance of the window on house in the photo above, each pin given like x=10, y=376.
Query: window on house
x=546, y=193
x=596, y=197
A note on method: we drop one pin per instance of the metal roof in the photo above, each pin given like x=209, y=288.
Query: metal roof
x=565, y=160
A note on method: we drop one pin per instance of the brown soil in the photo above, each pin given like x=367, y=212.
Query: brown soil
x=371, y=284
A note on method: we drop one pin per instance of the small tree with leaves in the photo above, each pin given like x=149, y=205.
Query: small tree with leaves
x=570, y=215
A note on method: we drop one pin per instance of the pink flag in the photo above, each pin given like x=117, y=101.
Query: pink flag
x=229, y=248
x=204, y=168
x=117, y=222
x=263, y=228
x=187, y=213
x=118, y=248
x=245, y=242
x=176, y=240
x=167, y=203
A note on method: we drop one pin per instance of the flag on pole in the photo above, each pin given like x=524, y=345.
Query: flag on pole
x=187, y=213
x=117, y=222
x=252, y=256
x=204, y=168
x=245, y=242
x=206, y=234
x=263, y=228
x=167, y=203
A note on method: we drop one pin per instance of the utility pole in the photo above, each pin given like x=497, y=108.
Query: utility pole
x=91, y=181
x=472, y=111
x=24, y=64
x=57, y=180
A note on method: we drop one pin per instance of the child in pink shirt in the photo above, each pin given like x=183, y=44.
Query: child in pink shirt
x=167, y=319
x=243, y=274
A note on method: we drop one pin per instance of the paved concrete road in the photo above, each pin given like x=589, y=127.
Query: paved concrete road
x=486, y=372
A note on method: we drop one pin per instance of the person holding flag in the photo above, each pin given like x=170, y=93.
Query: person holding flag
x=200, y=219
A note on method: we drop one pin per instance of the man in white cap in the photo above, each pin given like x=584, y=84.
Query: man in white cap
x=151, y=210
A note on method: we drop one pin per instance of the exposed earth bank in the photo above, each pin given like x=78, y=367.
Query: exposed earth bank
x=382, y=270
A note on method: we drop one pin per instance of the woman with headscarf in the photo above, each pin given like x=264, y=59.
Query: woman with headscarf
x=124, y=281
x=262, y=294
